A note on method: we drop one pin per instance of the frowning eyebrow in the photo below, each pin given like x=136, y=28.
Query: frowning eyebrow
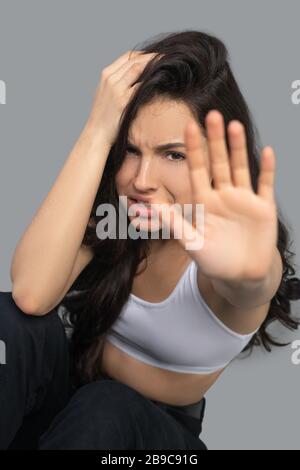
x=159, y=148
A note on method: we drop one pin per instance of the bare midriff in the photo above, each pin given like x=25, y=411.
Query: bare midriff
x=174, y=388
x=155, y=383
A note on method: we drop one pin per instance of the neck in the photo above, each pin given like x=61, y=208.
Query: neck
x=167, y=247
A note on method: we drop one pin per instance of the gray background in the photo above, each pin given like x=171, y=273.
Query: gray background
x=51, y=56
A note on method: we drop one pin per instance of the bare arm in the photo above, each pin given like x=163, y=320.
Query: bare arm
x=50, y=255
x=84, y=256
x=45, y=256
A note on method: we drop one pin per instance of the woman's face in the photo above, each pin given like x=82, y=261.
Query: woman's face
x=160, y=175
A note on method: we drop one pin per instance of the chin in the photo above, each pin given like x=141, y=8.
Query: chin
x=144, y=224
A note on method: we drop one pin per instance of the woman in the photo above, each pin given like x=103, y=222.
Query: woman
x=139, y=369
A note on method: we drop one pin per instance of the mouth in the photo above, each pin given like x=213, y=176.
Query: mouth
x=141, y=208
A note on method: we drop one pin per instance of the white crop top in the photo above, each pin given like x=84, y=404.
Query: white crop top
x=181, y=333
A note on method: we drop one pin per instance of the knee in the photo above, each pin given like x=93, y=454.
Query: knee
x=14, y=323
x=109, y=391
x=106, y=398
x=100, y=415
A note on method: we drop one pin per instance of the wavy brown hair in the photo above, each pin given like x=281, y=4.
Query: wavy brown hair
x=195, y=70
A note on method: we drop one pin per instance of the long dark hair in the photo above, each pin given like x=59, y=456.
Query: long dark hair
x=195, y=70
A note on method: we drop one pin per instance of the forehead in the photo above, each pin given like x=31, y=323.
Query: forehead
x=159, y=122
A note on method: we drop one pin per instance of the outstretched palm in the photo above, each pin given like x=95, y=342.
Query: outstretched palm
x=239, y=230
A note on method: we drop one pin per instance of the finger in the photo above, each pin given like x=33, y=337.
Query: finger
x=200, y=180
x=266, y=178
x=217, y=149
x=123, y=59
x=127, y=72
x=131, y=90
x=175, y=224
x=239, y=155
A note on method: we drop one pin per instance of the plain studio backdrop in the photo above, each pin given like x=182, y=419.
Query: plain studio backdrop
x=51, y=56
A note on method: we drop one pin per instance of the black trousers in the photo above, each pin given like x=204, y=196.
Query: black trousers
x=38, y=410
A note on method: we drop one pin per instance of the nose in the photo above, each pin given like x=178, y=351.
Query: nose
x=146, y=178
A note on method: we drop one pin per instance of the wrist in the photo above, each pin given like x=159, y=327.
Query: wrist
x=96, y=136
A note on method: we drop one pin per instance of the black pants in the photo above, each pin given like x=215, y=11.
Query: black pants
x=39, y=411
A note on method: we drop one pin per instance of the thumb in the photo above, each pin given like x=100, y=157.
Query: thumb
x=174, y=224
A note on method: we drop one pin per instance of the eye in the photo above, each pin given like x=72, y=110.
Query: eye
x=129, y=150
x=178, y=156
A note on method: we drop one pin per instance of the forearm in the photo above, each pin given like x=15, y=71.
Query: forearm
x=45, y=254
x=250, y=294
